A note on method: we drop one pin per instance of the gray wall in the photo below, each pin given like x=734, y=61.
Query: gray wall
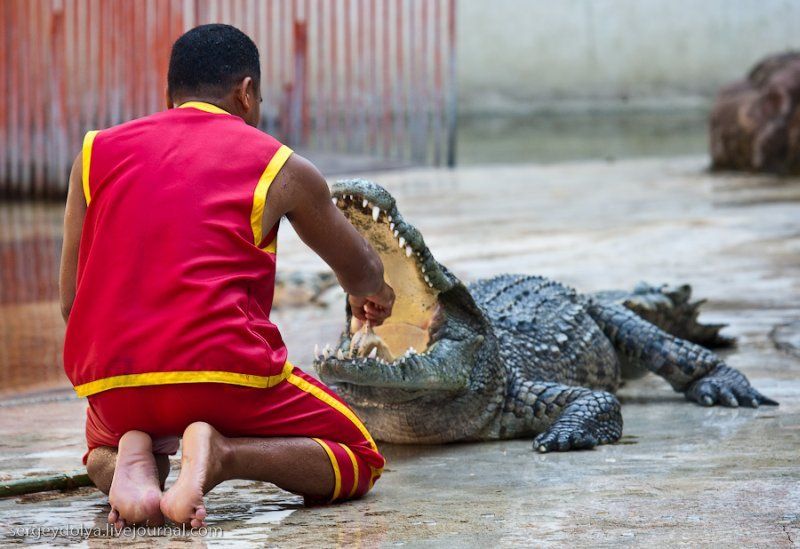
x=528, y=55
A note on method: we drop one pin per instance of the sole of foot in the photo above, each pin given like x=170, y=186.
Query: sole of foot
x=135, y=493
x=201, y=466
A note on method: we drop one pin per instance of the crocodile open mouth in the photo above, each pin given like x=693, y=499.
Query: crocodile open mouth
x=403, y=256
x=433, y=319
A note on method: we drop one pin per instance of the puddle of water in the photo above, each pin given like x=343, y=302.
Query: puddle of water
x=242, y=513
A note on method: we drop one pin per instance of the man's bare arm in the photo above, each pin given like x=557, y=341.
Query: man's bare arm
x=73, y=225
x=301, y=193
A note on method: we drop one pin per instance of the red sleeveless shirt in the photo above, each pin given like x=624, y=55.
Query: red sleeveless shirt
x=175, y=279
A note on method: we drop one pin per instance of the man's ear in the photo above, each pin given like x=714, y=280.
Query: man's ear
x=245, y=93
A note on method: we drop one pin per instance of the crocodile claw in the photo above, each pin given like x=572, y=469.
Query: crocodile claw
x=561, y=440
x=728, y=387
x=588, y=421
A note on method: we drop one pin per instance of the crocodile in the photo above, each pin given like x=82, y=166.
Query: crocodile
x=513, y=356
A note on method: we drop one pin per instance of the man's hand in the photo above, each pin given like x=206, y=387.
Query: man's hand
x=373, y=308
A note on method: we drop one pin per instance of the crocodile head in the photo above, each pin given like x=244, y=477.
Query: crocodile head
x=437, y=349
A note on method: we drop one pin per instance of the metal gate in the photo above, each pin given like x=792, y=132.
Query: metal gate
x=365, y=77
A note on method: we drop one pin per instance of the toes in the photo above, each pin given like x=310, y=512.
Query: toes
x=564, y=441
x=727, y=398
x=745, y=396
x=199, y=518
x=546, y=442
x=561, y=441
x=703, y=392
x=761, y=399
x=586, y=442
x=113, y=516
x=708, y=393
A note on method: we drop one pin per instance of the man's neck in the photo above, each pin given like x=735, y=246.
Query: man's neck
x=222, y=103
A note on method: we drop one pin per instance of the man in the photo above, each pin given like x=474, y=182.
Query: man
x=167, y=280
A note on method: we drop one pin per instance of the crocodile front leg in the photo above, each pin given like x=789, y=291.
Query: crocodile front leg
x=566, y=418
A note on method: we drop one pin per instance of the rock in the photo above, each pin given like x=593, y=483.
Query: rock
x=755, y=123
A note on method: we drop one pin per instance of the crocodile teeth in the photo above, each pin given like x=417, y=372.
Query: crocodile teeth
x=389, y=217
x=430, y=284
x=427, y=278
x=327, y=350
x=316, y=350
x=409, y=251
x=373, y=353
x=376, y=211
x=340, y=354
x=335, y=201
x=391, y=226
x=402, y=241
x=350, y=197
x=364, y=203
x=396, y=232
x=422, y=268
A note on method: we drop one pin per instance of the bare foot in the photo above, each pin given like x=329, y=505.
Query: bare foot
x=135, y=493
x=202, y=457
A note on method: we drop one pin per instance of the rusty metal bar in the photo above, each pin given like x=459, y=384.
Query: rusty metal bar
x=451, y=108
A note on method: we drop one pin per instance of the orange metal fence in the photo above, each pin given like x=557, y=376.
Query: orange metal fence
x=372, y=77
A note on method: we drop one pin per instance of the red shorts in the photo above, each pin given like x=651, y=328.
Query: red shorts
x=299, y=406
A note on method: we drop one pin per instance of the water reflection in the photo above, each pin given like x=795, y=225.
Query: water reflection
x=243, y=513
x=31, y=329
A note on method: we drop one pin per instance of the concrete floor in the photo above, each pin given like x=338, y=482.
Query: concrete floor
x=681, y=475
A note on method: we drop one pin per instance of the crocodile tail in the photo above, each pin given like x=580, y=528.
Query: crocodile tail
x=671, y=309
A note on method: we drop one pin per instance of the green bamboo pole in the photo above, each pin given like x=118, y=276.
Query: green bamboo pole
x=63, y=481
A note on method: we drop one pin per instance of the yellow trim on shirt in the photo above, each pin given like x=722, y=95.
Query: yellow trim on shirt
x=203, y=106
x=86, y=161
x=304, y=385
x=260, y=196
x=164, y=378
x=337, y=474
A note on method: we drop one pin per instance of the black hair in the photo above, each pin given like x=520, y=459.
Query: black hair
x=210, y=59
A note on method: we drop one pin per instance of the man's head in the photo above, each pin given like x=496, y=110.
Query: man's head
x=218, y=64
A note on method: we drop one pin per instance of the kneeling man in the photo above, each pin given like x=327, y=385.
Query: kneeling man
x=167, y=280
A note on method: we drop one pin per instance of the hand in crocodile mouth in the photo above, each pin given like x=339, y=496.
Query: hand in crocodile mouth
x=511, y=356
x=365, y=343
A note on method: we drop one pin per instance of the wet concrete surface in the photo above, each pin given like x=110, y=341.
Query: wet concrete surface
x=681, y=475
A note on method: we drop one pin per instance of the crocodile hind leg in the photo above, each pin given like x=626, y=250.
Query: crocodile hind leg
x=565, y=417
x=670, y=308
x=696, y=372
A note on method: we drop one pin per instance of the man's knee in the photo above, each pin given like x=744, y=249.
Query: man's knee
x=100, y=466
